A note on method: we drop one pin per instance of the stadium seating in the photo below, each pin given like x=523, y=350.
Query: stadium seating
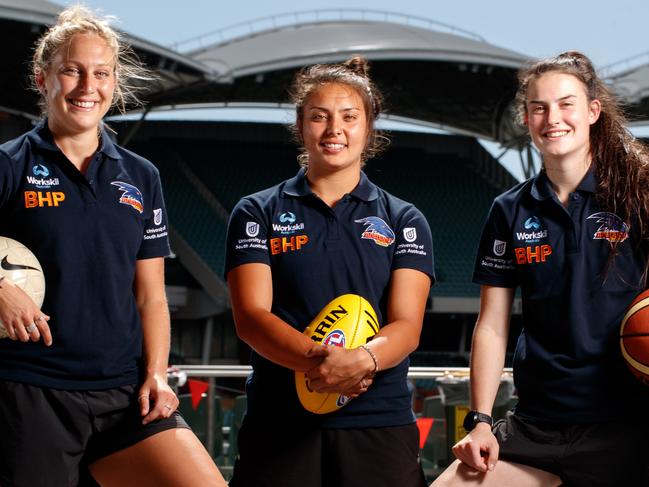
x=189, y=212
x=455, y=201
x=237, y=172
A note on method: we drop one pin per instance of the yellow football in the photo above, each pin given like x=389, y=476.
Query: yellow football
x=348, y=321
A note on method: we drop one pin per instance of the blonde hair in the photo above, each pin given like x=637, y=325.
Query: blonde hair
x=130, y=73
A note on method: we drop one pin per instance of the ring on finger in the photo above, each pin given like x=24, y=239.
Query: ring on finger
x=31, y=328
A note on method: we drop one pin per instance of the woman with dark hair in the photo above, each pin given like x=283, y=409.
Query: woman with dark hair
x=278, y=286
x=83, y=388
x=574, y=239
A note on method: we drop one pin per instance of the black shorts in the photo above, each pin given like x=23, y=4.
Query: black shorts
x=609, y=454
x=290, y=455
x=49, y=436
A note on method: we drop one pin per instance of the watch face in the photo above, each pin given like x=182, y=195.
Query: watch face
x=474, y=417
x=470, y=420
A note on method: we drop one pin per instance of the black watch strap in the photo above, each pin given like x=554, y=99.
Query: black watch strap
x=474, y=417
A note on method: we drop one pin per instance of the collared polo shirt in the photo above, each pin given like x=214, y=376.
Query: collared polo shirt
x=317, y=253
x=567, y=366
x=87, y=231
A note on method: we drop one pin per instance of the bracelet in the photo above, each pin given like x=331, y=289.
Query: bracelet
x=374, y=359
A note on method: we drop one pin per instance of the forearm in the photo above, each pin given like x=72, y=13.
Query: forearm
x=251, y=292
x=275, y=340
x=406, y=306
x=155, y=320
x=489, y=345
x=487, y=362
x=394, y=342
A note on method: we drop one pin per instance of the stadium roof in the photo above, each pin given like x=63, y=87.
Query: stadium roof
x=23, y=21
x=429, y=71
x=630, y=80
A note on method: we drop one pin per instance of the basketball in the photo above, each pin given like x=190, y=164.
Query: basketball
x=634, y=337
x=348, y=321
x=20, y=265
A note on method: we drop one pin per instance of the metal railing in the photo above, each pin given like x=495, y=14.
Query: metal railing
x=211, y=372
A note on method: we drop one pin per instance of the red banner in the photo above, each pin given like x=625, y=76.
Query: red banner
x=197, y=388
x=424, y=425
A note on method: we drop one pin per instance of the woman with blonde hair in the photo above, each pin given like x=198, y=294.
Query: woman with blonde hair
x=83, y=380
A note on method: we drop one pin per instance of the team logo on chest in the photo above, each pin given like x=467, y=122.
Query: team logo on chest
x=376, y=229
x=611, y=227
x=131, y=196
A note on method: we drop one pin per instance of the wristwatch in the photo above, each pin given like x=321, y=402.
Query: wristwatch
x=472, y=418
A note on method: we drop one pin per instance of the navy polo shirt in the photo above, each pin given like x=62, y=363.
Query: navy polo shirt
x=317, y=253
x=87, y=231
x=567, y=366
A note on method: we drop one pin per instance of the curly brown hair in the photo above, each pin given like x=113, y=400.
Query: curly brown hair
x=621, y=161
x=354, y=73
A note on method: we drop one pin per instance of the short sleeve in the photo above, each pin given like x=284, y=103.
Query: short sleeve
x=247, y=238
x=494, y=264
x=6, y=178
x=155, y=241
x=414, y=244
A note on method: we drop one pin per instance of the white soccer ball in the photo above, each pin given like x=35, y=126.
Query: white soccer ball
x=21, y=266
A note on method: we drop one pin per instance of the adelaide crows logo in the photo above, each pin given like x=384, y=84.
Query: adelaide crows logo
x=131, y=195
x=377, y=230
x=611, y=228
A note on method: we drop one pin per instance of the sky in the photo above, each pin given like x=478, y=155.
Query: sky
x=607, y=31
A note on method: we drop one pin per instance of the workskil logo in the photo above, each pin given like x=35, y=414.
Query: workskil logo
x=287, y=225
x=40, y=170
x=533, y=232
x=41, y=179
x=532, y=223
x=287, y=217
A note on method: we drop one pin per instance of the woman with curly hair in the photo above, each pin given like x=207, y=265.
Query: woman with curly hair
x=574, y=239
x=346, y=235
